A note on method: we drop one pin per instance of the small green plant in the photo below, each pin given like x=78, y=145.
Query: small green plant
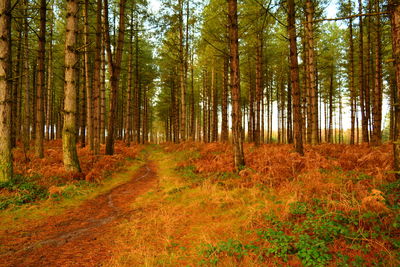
x=298, y=208
x=22, y=191
x=232, y=248
x=189, y=174
x=281, y=245
x=312, y=251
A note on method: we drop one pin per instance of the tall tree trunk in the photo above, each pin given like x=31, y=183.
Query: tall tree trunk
x=128, y=113
x=182, y=73
x=262, y=117
x=368, y=73
x=364, y=121
x=103, y=88
x=214, y=103
x=88, y=89
x=311, y=71
x=330, y=129
x=176, y=111
x=97, y=81
x=306, y=99
x=138, y=93
x=250, y=108
x=82, y=99
x=289, y=127
x=50, y=95
x=16, y=87
x=192, y=102
x=173, y=112
x=235, y=85
x=6, y=162
x=283, y=108
x=394, y=7
x=27, y=98
x=294, y=78
x=393, y=100
x=186, y=58
x=351, y=85
x=224, y=103
x=71, y=162
x=33, y=108
x=115, y=68
x=377, y=106
x=340, y=117
x=145, y=117
x=40, y=82
x=204, y=98
x=259, y=86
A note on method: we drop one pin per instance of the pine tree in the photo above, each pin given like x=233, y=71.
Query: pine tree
x=71, y=162
x=235, y=85
x=6, y=165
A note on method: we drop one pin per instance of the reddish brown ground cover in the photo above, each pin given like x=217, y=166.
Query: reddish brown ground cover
x=82, y=236
x=355, y=182
x=324, y=169
x=201, y=211
x=94, y=167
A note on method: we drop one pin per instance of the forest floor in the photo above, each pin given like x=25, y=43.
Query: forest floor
x=78, y=236
x=183, y=205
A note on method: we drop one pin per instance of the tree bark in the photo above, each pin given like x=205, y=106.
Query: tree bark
x=15, y=94
x=311, y=72
x=115, y=69
x=88, y=89
x=204, y=98
x=40, y=83
x=97, y=81
x=138, y=93
x=182, y=73
x=6, y=162
x=82, y=100
x=259, y=86
x=71, y=162
x=251, y=101
x=294, y=78
x=128, y=113
x=351, y=85
x=235, y=85
x=192, y=102
x=330, y=129
x=50, y=90
x=394, y=7
x=392, y=86
x=103, y=88
x=377, y=104
x=214, y=103
x=27, y=98
x=224, y=104
x=364, y=121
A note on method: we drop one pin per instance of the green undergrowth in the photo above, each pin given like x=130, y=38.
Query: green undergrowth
x=23, y=199
x=210, y=219
x=316, y=236
x=21, y=190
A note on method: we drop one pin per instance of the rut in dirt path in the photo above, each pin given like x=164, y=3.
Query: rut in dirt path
x=79, y=237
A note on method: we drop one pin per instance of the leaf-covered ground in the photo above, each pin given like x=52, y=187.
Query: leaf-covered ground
x=39, y=179
x=337, y=205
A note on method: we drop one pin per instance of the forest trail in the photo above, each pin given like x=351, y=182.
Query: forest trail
x=81, y=236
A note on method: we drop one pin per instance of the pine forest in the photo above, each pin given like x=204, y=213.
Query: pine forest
x=200, y=133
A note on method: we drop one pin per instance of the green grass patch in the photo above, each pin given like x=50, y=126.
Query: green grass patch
x=309, y=234
x=33, y=202
x=21, y=190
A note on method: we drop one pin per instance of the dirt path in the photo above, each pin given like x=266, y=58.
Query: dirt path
x=81, y=236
